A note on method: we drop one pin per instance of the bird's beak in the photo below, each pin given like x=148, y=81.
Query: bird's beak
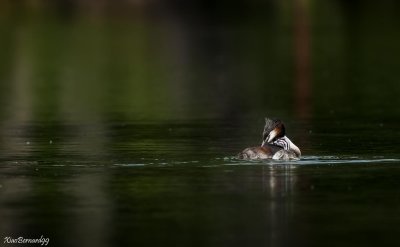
x=270, y=137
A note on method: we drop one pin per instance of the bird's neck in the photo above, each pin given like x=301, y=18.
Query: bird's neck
x=287, y=144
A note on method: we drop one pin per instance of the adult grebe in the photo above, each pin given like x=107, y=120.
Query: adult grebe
x=275, y=144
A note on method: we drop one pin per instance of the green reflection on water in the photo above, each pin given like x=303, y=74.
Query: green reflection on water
x=118, y=128
x=235, y=205
x=298, y=62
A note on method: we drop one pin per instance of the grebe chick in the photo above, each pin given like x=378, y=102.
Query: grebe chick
x=275, y=144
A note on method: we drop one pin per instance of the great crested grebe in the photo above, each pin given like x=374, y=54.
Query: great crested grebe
x=275, y=144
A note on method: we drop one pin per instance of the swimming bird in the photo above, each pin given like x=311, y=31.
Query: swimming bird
x=275, y=144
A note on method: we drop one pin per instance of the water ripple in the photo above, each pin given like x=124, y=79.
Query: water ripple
x=318, y=160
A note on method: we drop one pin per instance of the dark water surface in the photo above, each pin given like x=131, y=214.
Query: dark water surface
x=120, y=120
x=178, y=184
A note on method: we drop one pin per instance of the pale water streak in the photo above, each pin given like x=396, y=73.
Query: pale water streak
x=232, y=161
x=319, y=160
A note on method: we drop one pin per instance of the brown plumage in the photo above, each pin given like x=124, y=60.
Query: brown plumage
x=258, y=153
x=275, y=144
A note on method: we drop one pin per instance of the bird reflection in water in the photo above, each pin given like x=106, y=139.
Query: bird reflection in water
x=279, y=183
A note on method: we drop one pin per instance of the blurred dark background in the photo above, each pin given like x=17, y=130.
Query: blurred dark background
x=104, y=60
x=119, y=121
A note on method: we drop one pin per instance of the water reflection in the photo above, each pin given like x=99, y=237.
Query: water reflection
x=90, y=204
x=118, y=121
x=279, y=183
x=302, y=57
x=160, y=62
x=91, y=223
x=236, y=204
